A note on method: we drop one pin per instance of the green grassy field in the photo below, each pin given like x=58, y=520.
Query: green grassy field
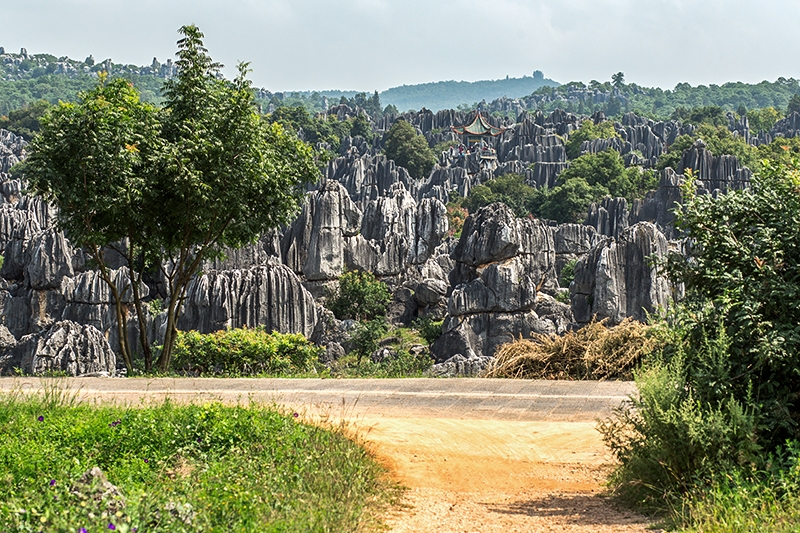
x=82, y=468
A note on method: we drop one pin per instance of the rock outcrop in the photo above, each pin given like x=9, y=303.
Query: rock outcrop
x=68, y=347
x=271, y=296
x=619, y=277
x=502, y=264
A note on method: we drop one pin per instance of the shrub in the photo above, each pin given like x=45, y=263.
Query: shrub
x=359, y=297
x=456, y=215
x=428, y=328
x=592, y=352
x=568, y=273
x=668, y=439
x=366, y=336
x=245, y=351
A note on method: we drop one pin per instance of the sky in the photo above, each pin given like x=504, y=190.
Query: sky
x=377, y=44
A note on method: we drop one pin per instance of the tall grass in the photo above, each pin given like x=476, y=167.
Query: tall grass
x=68, y=467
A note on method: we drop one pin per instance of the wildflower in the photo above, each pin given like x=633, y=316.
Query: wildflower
x=82, y=530
x=40, y=419
x=111, y=526
x=52, y=482
x=115, y=423
x=147, y=460
x=296, y=415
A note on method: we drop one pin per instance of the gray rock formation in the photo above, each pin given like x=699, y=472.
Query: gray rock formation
x=659, y=206
x=460, y=366
x=610, y=218
x=618, y=278
x=502, y=264
x=271, y=296
x=75, y=349
x=720, y=173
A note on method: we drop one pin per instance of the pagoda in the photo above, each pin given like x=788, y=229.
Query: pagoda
x=477, y=137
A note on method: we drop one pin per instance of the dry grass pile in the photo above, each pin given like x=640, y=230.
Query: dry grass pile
x=593, y=352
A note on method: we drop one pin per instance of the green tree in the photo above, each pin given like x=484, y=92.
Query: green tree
x=570, y=201
x=763, y=119
x=181, y=185
x=509, y=189
x=359, y=297
x=607, y=169
x=588, y=132
x=744, y=271
x=362, y=128
x=618, y=79
x=409, y=150
x=794, y=104
x=25, y=122
x=92, y=160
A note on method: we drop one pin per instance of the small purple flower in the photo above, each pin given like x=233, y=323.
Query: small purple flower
x=40, y=419
x=147, y=460
x=115, y=423
x=199, y=440
x=296, y=415
x=52, y=482
x=82, y=530
x=111, y=526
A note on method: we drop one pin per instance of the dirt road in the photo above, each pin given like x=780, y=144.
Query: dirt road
x=477, y=455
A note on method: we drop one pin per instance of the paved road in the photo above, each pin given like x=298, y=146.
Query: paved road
x=468, y=399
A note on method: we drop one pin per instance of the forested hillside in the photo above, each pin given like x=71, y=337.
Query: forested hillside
x=26, y=78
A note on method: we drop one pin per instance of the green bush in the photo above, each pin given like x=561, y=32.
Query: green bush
x=568, y=273
x=751, y=501
x=409, y=150
x=366, y=336
x=669, y=438
x=723, y=391
x=370, y=336
x=359, y=297
x=587, y=132
x=245, y=351
x=428, y=328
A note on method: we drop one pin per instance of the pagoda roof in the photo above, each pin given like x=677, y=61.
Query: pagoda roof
x=479, y=126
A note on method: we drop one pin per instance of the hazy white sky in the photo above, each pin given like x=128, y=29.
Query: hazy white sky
x=376, y=44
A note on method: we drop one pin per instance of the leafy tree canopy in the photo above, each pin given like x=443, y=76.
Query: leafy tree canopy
x=180, y=184
x=409, y=150
x=587, y=132
x=607, y=169
x=25, y=122
x=763, y=119
x=509, y=189
x=741, y=279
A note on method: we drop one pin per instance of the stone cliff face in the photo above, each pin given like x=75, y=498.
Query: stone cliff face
x=505, y=269
x=620, y=277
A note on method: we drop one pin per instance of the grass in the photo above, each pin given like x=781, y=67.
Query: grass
x=592, y=352
x=70, y=467
x=737, y=503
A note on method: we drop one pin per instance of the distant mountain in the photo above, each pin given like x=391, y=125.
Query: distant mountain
x=451, y=94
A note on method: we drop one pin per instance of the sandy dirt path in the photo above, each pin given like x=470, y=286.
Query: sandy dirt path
x=476, y=456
